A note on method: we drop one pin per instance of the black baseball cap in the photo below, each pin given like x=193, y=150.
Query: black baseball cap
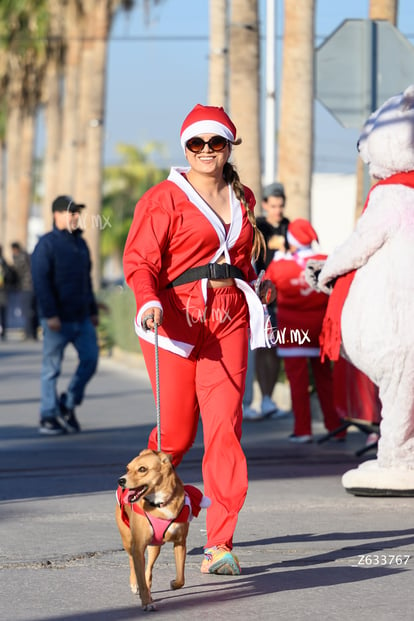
x=274, y=189
x=66, y=203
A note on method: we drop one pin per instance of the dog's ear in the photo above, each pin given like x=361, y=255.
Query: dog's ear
x=147, y=452
x=165, y=458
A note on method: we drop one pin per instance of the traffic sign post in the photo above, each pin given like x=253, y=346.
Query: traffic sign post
x=360, y=65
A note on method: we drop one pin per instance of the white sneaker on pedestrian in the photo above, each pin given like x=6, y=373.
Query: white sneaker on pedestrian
x=281, y=414
x=251, y=414
x=300, y=439
x=268, y=407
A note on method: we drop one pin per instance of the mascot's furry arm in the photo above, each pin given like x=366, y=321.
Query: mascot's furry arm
x=377, y=223
x=312, y=272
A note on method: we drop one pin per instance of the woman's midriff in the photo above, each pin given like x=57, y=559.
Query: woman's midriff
x=223, y=282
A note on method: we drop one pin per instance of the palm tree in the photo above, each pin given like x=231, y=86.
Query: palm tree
x=245, y=89
x=88, y=181
x=73, y=20
x=124, y=185
x=218, y=57
x=384, y=9
x=76, y=40
x=88, y=25
x=52, y=98
x=378, y=9
x=32, y=87
x=295, y=148
x=3, y=115
x=23, y=26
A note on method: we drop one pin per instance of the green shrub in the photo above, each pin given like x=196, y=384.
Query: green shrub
x=116, y=320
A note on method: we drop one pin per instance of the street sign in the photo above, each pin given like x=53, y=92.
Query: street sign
x=360, y=65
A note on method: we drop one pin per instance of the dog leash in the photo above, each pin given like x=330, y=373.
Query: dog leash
x=157, y=386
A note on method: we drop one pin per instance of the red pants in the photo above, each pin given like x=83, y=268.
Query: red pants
x=211, y=383
x=298, y=375
x=355, y=395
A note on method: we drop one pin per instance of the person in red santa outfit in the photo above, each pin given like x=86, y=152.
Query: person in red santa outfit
x=188, y=260
x=300, y=313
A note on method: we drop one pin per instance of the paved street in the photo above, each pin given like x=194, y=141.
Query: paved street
x=308, y=549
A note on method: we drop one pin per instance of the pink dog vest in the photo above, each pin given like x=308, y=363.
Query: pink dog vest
x=191, y=508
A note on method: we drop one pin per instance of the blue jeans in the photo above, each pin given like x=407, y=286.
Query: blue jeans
x=250, y=375
x=82, y=335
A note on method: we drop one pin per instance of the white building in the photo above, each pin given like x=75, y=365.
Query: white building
x=333, y=208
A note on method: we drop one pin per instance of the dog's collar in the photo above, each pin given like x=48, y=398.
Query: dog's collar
x=154, y=504
x=158, y=505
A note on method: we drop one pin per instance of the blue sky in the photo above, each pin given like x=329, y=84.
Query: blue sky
x=158, y=71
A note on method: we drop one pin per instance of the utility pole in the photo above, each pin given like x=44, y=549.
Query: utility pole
x=270, y=107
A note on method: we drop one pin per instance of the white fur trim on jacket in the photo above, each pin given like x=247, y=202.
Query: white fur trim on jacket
x=256, y=310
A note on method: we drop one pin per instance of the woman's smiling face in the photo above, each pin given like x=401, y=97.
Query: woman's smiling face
x=208, y=160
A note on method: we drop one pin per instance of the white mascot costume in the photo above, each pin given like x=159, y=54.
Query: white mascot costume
x=370, y=315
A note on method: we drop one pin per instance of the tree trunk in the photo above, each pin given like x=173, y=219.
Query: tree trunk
x=26, y=161
x=295, y=149
x=218, y=58
x=98, y=16
x=73, y=39
x=53, y=118
x=2, y=189
x=384, y=9
x=13, y=205
x=83, y=113
x=87, y=29
x=53, y=112
x=21, y=127
x=245, y=90
x=378, y=9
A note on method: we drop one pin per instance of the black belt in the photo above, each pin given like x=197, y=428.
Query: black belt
x=212, y=271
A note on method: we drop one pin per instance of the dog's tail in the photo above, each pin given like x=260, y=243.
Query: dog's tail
x=196, y=500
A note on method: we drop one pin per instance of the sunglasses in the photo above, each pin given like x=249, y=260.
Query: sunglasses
x=216, y=143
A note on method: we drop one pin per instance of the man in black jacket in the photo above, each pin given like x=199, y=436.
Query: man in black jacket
x=68, y=313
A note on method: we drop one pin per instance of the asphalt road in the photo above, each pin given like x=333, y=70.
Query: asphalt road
x=307, y=548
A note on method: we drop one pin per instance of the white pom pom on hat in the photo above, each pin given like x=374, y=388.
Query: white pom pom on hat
x=207, y=120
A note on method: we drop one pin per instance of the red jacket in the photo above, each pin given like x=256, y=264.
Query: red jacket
x=174, y=229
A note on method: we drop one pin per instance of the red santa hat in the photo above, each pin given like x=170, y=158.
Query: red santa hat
x=301, y=233
x=207, y=120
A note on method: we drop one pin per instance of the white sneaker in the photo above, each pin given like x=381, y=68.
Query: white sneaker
x=268, y=407
x=300, y=439
x=251, y=414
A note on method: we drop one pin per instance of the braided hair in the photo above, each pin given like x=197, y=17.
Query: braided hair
x=231, y=176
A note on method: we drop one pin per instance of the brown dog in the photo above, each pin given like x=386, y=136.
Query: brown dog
x=153, y=507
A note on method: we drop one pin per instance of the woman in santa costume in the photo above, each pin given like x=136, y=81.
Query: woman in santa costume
x=300, y=313
x=188, y=260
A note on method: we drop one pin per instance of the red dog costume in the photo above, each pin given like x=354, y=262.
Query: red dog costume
x=203, y=336
x=193, y=503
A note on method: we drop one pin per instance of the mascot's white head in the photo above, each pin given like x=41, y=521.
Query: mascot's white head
x=386, y=143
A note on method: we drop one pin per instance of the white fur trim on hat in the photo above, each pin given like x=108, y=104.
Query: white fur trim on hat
x=301, y=233
x=292, y=241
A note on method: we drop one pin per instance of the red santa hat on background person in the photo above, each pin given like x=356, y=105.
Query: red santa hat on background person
x=207, y=120
x=301, y=233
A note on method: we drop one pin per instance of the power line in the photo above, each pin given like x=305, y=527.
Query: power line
x=152, y=38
